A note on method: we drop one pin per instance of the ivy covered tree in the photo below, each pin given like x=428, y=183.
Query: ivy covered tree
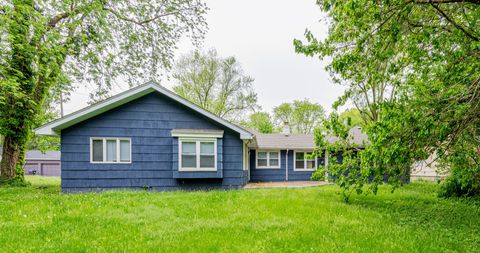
x=94, y=41
x=415, y=65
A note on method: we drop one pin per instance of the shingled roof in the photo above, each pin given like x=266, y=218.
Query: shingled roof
x=301, y=141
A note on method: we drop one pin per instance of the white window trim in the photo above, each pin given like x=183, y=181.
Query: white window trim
x=304, y=161
x=104, y=149
x=268, y=160
x=197, y=152
x=245, y=155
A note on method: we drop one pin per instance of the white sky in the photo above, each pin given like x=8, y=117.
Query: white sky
x=260, y=35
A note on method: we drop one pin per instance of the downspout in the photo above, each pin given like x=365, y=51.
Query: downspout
x=286, y=165
x=326, y=164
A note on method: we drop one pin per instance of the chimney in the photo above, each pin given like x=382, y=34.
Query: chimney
x=286, y=129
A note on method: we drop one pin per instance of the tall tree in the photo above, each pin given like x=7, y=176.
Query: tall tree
x=216, y=84
x=260, y=122
x=353, y=118
x=97, y=41
x=301, y=116
x=426, y=55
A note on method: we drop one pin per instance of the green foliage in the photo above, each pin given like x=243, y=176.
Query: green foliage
x=261, y=220
x=301, y=116
x=411, y=68
x=48, y=45
x=318, y=175
x=352, y=117
x=260, y=122
x=215, y=84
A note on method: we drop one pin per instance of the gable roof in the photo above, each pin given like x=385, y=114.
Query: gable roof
x=303, y=141
x=54, y=127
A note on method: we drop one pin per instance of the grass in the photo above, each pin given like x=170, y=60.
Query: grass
x=413, y=219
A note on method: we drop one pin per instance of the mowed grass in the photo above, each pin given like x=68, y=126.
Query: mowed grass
x=413, y=219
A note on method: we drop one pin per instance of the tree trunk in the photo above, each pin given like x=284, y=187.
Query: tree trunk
x=12, y=158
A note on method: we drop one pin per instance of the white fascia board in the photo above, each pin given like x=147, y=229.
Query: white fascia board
x=54, y=127
x=197, y=135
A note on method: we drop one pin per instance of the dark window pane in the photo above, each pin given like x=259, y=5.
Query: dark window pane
x=97, y=150
x=111, y=150
x=299, y=164
x=299, y=156
x=310, y=164
x=188, y=148
x=274, y=155
x=189, y=161
x=274, y=162
x=262, y=155
x=207, y=148
x=207, y=161
x=262, y=162
x=124, y=150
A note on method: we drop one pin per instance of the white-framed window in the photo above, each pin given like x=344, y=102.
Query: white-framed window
x=268, y=159
x=304, y=161
x=197, y=154
x=110, y=150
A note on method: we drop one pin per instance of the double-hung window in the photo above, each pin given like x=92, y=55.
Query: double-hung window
x=268, y=159
x=197, y=154
x=110, y=150
x=304, y=161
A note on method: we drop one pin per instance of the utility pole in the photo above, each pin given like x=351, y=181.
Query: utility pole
x=61, y=104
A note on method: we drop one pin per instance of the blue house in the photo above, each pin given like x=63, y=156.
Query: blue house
x=150, y=138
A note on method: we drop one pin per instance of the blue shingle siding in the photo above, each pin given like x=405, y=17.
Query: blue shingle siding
x=148, y=121
x=267, y=175
x=272, y=175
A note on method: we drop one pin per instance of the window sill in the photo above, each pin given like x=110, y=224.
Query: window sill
x=267, y=168
x=110, y=162
x=197, y=170
x=304, y=170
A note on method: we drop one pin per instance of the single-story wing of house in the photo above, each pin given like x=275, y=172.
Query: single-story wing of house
x=150, y=138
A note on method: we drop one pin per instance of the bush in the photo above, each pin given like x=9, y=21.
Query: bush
x=318, y=175
x=461, y=183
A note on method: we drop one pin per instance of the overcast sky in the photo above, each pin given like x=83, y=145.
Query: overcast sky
x=260, y=35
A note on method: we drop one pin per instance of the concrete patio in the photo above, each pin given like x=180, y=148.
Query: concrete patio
x=285, y=184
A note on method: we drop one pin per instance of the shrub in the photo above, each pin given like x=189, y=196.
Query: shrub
x=461, y=183
x=318, y=175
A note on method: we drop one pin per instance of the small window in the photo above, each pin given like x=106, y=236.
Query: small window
x=197, y=155
x=268, y=159
x=305, y=161
x=110, y=150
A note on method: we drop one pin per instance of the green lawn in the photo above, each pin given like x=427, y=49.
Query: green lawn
x=413, y=219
